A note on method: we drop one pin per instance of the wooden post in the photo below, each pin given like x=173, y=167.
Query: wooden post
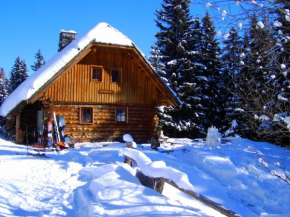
x=128, y=160
x=154, y=137
x=18, y=133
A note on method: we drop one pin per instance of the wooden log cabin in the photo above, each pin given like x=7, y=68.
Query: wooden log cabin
x=101, y=84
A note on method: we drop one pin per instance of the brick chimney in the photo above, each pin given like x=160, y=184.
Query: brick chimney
x=2, y=74
x=66, y=37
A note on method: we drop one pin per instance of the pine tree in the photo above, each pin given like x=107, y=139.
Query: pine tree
x=282, y=60
x=3, y=92
x=174, y=22
x=281, y=76
x=172, y=57
x=212, y=96
x=197, y=81
x=254, y=80
x=3, y=87
x=232, y=61
x=40, y=61
x=19, y=73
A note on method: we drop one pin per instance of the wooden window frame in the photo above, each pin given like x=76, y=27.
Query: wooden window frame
x=126, y=115
x=120, y=75
x=102, y=73
x=81, y=115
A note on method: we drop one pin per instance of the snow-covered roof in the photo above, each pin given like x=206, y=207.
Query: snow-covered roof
x=101, y=33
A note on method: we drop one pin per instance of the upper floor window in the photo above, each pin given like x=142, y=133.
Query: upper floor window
x=97, y=74
x=116, y=75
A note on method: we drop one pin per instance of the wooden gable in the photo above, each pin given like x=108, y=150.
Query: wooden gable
x=138, y=84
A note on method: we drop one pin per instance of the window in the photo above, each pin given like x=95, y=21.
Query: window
x=86, y=115
x=97, y=73
x=121, y=115
x=116, y=75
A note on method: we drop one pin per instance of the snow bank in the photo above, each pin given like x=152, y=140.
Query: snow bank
x=237, y=170
x=89, y=173
x=102, y=33
x=157, y=169
x=113, y=190
x=118, y=193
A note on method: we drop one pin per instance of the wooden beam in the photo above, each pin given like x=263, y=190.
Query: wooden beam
x=106, y=91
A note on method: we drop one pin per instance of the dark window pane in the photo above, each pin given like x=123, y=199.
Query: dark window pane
x=115, y=76
x=121, y=115
x=97, y=74
x=86, y=115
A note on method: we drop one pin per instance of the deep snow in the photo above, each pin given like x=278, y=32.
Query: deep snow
x=93, y=181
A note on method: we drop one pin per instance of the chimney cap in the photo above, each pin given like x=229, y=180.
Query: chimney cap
x=70, y=31
x=66, y=37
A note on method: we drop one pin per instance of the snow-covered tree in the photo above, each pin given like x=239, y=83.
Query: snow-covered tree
x=263, y=80
x=3, y=87
x=172, y=58
x=40, y=61
x=212, y=99
x=19, y=73
x=281, y=77
x=174, y=22
x=232, y=60
x=3, y=92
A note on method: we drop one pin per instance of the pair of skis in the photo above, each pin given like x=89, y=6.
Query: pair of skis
x=58, y=138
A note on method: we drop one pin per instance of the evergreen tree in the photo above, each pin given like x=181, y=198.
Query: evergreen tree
x=3, y=92
x=253, y=82
x=3, y=86
x=232, y=61
x=40, y=61
x=259, y=95
x=281, y=76
x=212, y=95
x=172, y=56
x=19, y=73
x=282, y=60
x=194, y=84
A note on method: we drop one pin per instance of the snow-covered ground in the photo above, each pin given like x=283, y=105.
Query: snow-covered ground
x=93, y=181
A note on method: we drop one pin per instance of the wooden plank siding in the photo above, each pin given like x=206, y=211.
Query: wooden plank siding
x=75, y=89
x=76, y=84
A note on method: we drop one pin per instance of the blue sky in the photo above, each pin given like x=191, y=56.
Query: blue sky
x=27, y=26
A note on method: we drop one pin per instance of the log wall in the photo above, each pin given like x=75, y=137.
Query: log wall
x=105, y=128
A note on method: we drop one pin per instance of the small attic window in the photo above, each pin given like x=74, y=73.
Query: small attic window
x=97, y=73
x=116, y=75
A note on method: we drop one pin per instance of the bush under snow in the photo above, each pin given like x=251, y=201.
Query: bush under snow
x=213, y=137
